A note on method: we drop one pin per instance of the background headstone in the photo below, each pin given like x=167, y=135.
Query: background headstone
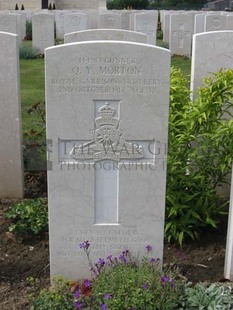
x=215, y=22
x=211, y=51
x=181, y=31
x=109, y=20
x=107, y=117
x=42, y=31
x=75, y=22
x=105, y=34
x=147, y=23
x=11, y=165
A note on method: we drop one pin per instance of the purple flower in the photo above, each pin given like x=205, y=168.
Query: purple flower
x=149, y=248
x=101, y=261
x=84, y=245
x=86, y=283
x=109, y=257
x=167, y=280
x=107, y=296
x=122, y=258
x=103, y=307
x=153, y=260
x=125, y=253
x=77, y=294
x=78, y=305
x=145, y=286
x=164, y=279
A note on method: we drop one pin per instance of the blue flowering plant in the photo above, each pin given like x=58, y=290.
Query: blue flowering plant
x=127, y=283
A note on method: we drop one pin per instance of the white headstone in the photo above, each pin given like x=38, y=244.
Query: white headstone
x=146, y=23
x=125, y=20
x=229, y=22
x=8, y=23
x=215, y=22
x=11, y=165
x=211, y=51
x=60, y=23
x=110, y=20
x=107, y=118
x=166, y=27
x=199, y=23
x=105, y=34
x=181, y=31
x=42, y=31
x=228, y=268
x=75, y=22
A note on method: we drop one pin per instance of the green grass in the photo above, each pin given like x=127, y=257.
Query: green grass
x=32, y=79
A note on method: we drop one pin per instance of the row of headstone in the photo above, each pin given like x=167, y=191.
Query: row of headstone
x=179, y=27
x=72, y=21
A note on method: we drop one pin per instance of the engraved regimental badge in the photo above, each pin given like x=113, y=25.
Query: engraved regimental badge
x=108, y=142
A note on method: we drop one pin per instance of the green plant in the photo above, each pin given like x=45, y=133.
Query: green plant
x=200, y=154
x=34, y=139
x=159, y=34
x=28, y=30
x=126, y=282
x=213, y=297
x=28, y=52
x=28, y=217
x=59, y=297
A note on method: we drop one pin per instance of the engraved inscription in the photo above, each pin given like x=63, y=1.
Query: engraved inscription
x=106, y=75
x=75, y=21
x=216, y=23
x=108, y=142
x=103, y=242
x=5, y=21
x=181, y=34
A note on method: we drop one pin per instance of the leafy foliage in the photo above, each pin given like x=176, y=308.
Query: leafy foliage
x=28, y=30
x=34, y=139
x=59, y=297
x=200, y=154
x=125, y=282
x=127, y=4
x=30, y=217
x=28, y=52
x=213, y=297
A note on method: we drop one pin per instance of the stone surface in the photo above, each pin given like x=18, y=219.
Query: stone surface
x=215, y=22
x=105, y=34
x=228, y=268
x=8, y=23
x=11, y=167
x=107, y=120
x=147, y=23
x=211, y=51
x=181, y=31
x=42, y=31
x=110, y=20
x=75, y=22
x=59, y=16
x=199, y=23
x=166, y=27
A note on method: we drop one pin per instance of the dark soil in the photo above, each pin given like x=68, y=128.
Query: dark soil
x=24, y=268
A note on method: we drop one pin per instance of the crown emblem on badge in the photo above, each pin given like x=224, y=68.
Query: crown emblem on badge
x=106, y=110
x=108, y=142
x=106, y=113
